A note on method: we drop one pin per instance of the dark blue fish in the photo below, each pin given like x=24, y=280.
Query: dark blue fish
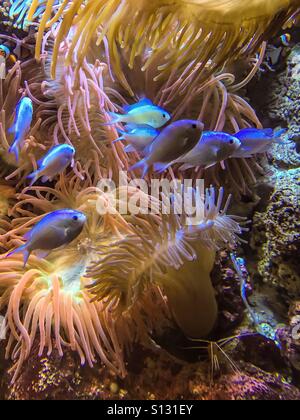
x=55, y=230
x=256, y=140
x=173, y=141
x=213, y=147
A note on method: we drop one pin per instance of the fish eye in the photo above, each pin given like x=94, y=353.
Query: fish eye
x=75, y=218
x=231, y=141
x=194, y=125
x=164, y=116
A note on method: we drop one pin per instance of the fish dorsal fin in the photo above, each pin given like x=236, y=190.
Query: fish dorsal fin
x=268, y=132
x=142, y=102
x=18, y=107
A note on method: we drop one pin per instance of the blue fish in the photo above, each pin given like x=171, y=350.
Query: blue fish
x=256, y=140
x=142, y=113
x=213, y=147
x=54, y=163
x=173, y=141
x=139, y=137
x=54, y=230
x=21, y=125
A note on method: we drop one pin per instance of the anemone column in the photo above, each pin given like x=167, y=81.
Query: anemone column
x=191, y=295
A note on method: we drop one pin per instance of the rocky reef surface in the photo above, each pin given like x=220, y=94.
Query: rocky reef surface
x=274, y=252
x=153, y=375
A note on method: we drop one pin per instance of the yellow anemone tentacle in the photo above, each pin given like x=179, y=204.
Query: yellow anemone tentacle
x=207, y=31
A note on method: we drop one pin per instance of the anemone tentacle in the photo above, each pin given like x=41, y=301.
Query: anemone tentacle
x=60, y=314
x=161, y=256
x=49, y=300
x=206, y=33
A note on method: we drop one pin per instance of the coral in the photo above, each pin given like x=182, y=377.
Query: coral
x=280, y=100
x=288, y=336
x=48, y=301
x=59, y=104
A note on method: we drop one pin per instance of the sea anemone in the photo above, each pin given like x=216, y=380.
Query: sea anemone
x=74, y=110
x=92, y=89
x=128, y=274
x=15, y=13
x=178, y=258
x=49, y=299
x=178, y=33
x=55, y=308
x=11, y=92
x=7, y=195
x=217, y=104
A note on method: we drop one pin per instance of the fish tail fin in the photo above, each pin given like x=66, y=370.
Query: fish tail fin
x=279, y=133
x=129, y=149
x=15, y=150
x=142, y=164
x=22, y=249
x=34, y=176
x=161, y=167
x=114, y=118
x=122, y=132
x=118, y=139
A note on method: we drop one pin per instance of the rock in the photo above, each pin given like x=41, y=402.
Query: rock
x=276, y=236
x=156, y=376
x=276, y=97
x=273, y=257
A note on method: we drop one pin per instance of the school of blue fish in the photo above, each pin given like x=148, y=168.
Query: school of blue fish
x=149, y=131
